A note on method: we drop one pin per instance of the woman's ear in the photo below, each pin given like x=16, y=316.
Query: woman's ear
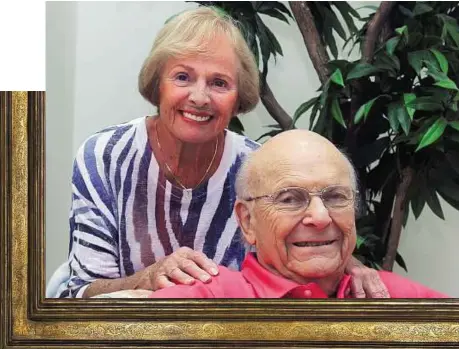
x=245, y=221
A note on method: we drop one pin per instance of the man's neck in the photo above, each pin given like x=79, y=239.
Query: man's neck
x=328, y=284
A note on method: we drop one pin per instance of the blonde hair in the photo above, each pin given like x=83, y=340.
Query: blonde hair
x=189, y=33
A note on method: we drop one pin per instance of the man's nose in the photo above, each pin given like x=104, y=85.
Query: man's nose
x=199, y=95
x=317, y=214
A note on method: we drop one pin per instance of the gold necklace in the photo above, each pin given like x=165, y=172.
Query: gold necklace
x=172, y=173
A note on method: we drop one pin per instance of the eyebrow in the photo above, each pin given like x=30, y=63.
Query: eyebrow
x=218, y=74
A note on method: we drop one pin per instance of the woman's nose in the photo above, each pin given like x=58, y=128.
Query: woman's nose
x=199, y=95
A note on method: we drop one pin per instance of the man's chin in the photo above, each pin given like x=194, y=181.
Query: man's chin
x=317, y=270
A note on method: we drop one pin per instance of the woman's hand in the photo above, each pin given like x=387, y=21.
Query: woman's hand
x=366, y=282
x=183, y=266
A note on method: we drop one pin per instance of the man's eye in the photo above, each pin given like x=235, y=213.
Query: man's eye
x=289, y=198
x=335, y=196
x=220, y=83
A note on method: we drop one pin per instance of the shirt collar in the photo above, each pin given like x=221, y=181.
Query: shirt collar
x=269, y=285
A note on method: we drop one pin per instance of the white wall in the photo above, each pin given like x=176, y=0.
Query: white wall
x=429, y=248
x=60, y=88
x=94, y=54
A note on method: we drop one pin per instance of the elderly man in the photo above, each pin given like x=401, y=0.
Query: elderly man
x=296, y=205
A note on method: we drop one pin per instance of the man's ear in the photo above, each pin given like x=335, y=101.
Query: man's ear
x=245, y=221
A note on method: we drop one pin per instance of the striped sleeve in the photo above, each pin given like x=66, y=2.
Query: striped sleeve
x=94, y=252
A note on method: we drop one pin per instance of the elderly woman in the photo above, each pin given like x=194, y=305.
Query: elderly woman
x=153, y=198
x=296, y=204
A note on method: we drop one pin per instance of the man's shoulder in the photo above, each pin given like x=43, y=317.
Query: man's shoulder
x=401, y=287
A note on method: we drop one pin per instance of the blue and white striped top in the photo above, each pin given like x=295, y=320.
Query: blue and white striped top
x=125, y=214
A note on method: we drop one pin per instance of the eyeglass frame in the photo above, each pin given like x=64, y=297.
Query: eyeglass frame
x=310, y=193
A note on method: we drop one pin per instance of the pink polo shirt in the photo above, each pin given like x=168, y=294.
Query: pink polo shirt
x=254, y=281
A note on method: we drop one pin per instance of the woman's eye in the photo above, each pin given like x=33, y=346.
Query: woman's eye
x=220, y=83
x=181, y=77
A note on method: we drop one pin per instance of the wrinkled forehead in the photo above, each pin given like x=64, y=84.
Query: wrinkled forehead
x=308, y=167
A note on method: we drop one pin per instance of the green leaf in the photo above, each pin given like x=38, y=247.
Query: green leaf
x=274, y=5
x=405, y=11
x=329, y=38
x=395, y=62
x=417, y=204
x=268, y=134
x=324, y=95
x=391, y=44
x=406, y=213
x=452, y=30
x=424, y=103
x=415, y=60
x=388, y=63
x=433, y=202
x=442, y=61
x=454, y=203
x=334, y=21
x=337, y=77
x=433, y=133
x=346, y=11
x=414, y=40
x=303, y=108
x=372, y=152
x=344, y=7
x=402, y=30
x=454, y=124
x=392, y=116
x=402, y=117
x=448, y=84
x=265, y=45
x=235, y=125
x=370, y=7
x=313, y=115
x=364, y=110
x=255, y=51
x=274, y=43
x=321, y=123
x=436, y=74
x=360, y=241
x=452, y=158
x=274, y=13
x=400, y=261
x=407, y=98
x=336, y=112
x=420, y=8
x=361, y=70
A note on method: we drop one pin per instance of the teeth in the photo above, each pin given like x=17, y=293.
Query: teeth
x=195, y=117
x=312, y=244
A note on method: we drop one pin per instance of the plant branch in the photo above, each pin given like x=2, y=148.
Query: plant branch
x=274, y=108
x=375, y=28
x=311, y=37
x=397, y=218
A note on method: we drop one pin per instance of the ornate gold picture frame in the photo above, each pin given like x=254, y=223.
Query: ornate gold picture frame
x=28, y=320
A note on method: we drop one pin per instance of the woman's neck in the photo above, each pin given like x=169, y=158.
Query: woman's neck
x=184, y=164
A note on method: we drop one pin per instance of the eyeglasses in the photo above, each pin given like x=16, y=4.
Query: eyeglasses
x=296, y=198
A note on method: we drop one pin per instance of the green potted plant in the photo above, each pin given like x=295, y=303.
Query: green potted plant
x=394, y=111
